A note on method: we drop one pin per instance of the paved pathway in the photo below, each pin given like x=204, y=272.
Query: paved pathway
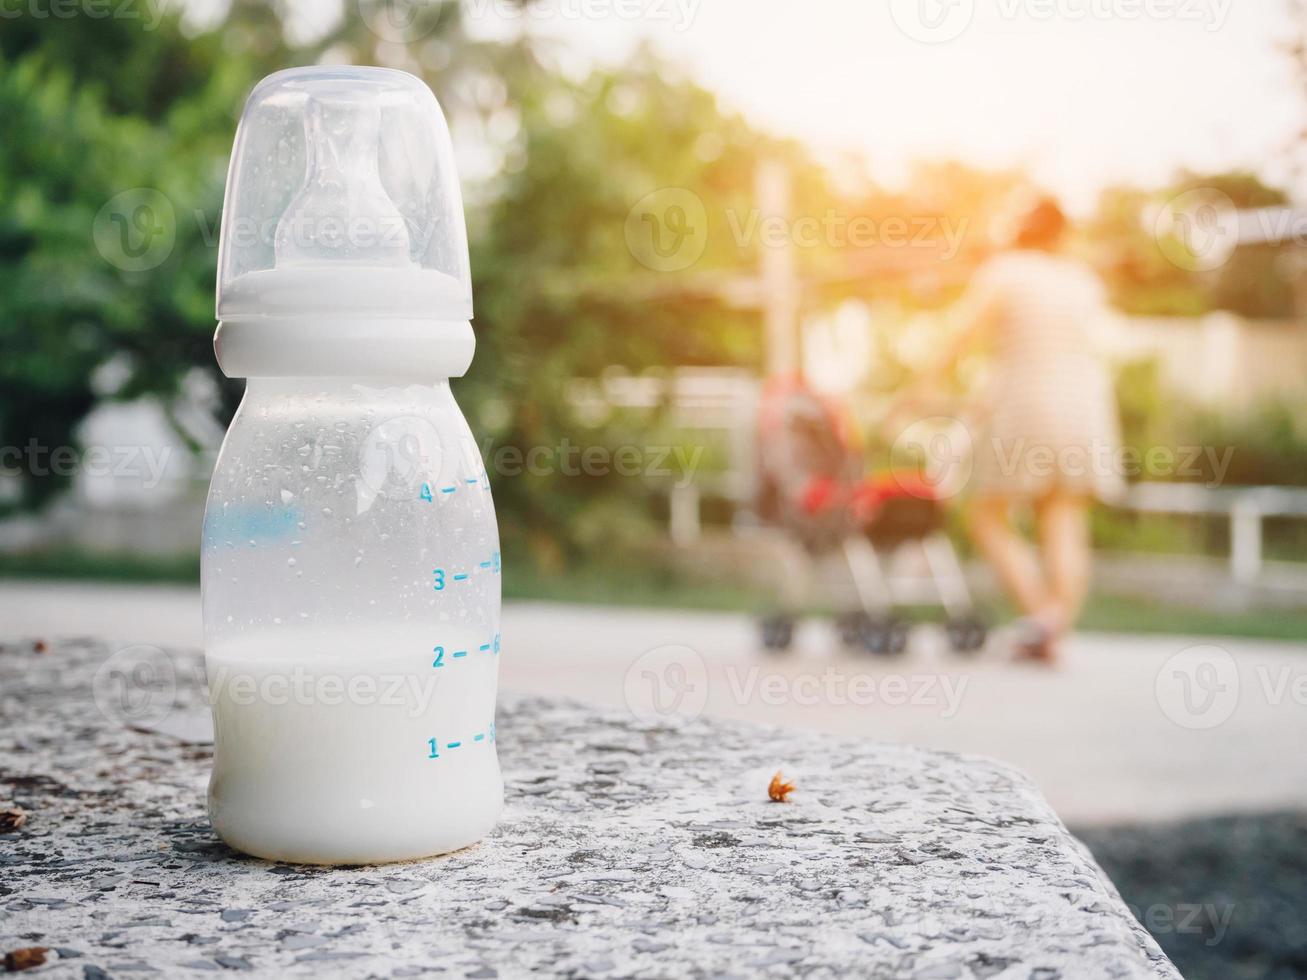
x=1108, y=737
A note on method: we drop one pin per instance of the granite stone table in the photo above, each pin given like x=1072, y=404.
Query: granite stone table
x=627, y=849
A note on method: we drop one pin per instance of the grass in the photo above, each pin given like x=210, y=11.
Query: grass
x=94, y=567
x=656, y=588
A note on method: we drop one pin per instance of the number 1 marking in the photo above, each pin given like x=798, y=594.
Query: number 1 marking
x=434, y=754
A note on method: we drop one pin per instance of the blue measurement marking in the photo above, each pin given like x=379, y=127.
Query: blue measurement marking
x=473, y=480
x=435, y=746
x=460, y=577
x=448, y=489
x=485, y=564
x=439, y=661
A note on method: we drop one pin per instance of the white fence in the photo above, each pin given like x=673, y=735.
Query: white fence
x=1218, y=359
x=722, y=404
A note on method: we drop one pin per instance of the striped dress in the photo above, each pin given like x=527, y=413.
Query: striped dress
x=1054, y=423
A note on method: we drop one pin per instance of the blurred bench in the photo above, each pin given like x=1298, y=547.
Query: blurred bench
x=1246, y=508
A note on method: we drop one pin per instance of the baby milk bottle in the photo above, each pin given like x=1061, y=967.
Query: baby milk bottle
x=351, y=568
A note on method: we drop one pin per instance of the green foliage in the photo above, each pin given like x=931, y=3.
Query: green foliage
x=72, y=144
x=1121, y=236
x=96, y=107
x=1268, y=441
x=559, y=294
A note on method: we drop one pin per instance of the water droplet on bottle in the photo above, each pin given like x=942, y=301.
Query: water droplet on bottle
x=326, y=511
x=291, y=562
x=287, y=496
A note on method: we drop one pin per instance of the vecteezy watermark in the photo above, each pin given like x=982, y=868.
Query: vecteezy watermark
x=408, y=692
x=665, y=682
x=1210, y=15
x=135, y=230
x=149, y=12
x=403, y=456
x=935, y=458
x=1205, y=465
x=836, y=688
x=1197, y=231
x=1198, y=687
x=939, y=21
x=833, y=229
x=679, y=463
x=407, y=456
x=668, y=230
x=680, y=14
x=1208, y=920
x=673, y=681
x=938, y=453
x=145, y=463
x=137, y=685
x=401, y=21
x=932, y=21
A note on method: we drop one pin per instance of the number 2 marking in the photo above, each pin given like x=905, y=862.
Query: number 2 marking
x=440, y=657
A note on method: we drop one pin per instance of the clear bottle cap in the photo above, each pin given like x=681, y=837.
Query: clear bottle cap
x=343, y=226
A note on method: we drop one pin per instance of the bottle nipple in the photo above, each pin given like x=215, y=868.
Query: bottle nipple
x=343, y=213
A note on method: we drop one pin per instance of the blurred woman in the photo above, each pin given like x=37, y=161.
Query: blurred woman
x=1053, y=434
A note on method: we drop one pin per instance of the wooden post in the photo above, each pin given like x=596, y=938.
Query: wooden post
x=1245, y=541
x=780, y=279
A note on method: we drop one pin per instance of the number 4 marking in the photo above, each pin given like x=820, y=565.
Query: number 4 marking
x=426, y=492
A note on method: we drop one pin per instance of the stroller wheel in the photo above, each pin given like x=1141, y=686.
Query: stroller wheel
x=885, y=637
x=967, y=634
x=777, y=633
x=852, y=628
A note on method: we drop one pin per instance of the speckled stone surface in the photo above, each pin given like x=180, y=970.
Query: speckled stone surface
x=626, y=850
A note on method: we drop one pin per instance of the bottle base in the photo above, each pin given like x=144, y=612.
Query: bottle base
x=345, y=849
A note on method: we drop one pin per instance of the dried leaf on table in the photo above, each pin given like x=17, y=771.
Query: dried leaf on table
x=779, y=790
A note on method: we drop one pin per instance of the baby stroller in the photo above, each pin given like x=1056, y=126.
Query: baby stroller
x=812, y=488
